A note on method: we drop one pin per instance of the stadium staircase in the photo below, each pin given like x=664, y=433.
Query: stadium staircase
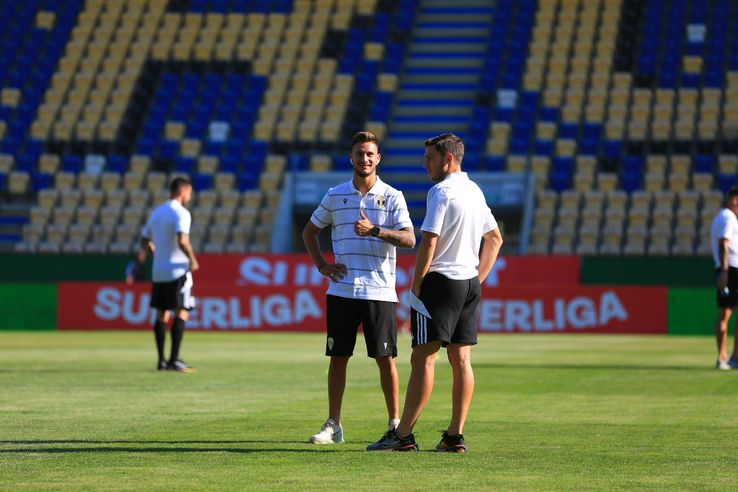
x=438, y=88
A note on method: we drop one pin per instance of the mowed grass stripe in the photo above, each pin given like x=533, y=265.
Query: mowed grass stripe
x=88, y=411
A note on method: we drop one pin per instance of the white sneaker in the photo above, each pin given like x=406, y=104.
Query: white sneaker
x=722, y=365
x=330, y=433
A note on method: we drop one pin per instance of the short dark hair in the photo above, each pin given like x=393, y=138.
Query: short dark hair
x=175, y=187
x=363, y=137
x=733, y=191
x=448, y=143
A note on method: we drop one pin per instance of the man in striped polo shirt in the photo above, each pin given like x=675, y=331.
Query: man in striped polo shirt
x=368, y=220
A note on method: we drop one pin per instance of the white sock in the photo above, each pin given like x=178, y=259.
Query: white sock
x=393, y=423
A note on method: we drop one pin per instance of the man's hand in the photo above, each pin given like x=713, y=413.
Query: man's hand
x=363, y=227
x=194, y=266
x=334, y=271
x=722, y=280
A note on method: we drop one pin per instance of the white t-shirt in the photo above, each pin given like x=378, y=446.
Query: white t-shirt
x=370, y=261
x=725, y=226
x=165, y=222
x=458, y=213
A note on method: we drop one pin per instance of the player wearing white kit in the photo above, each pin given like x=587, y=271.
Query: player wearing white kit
x=166, y=235
x=724, y=242
x=449, y=270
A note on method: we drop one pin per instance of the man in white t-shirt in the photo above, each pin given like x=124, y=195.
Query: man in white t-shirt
x=369, y=220
x=166, y=235
x=450, y=268
x=724, y=241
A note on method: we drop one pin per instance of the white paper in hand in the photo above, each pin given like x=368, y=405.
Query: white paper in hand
x=418, y=305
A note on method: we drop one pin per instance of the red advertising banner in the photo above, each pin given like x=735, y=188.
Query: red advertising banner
x=92, y=306
x=574, y=309
x=226, y=307
x=299, y=271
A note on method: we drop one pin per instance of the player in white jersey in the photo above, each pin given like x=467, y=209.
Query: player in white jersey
x=368, y=220
x=449, y=271
x=724, y=242
x=166, y=235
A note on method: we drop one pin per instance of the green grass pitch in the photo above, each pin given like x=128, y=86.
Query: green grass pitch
x=88, y=411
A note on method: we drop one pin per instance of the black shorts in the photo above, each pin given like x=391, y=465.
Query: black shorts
x=377, y=319
x=729, y=298
x=176, y=294
x=452, y=305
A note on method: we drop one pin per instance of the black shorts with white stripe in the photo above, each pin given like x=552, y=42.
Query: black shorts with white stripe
x=176, y=294
x=452, y=305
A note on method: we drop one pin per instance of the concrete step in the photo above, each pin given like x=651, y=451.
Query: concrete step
x=433, y=110
x=430, y=84
x=399, y=161
x=396, y=179
x=448, y=49
x=443, y=62
x=443, y=95
x=458, y=10
x=432, y=17
x=442, y=78
x=459, y=3
x=430, y=127
x=451, y=33
x=411, y=145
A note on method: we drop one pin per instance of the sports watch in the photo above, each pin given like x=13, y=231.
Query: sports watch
x=375, y=231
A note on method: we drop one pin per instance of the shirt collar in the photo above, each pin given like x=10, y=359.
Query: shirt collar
x=379, y=187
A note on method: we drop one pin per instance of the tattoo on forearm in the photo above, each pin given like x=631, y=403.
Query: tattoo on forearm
x=402, y=239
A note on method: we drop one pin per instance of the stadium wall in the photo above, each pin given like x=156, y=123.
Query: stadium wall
x=54, y=268
x=28, y=306
x=674, y=272
x=692, y=311
x=282, y=292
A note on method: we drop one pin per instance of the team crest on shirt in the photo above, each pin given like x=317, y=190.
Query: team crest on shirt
x=380, y=201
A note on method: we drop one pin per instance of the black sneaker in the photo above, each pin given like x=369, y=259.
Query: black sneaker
x=451, y=444
x=390, y=441
x=179, y=366
x=162, y=365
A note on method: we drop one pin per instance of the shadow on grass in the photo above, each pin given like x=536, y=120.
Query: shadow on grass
x=90, y=446
x=135, y=441
x=591, y=367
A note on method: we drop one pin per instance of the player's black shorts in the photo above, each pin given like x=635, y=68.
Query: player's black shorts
x=377, y=319
x=452, y=305
x=176, y=294
x=729, y=298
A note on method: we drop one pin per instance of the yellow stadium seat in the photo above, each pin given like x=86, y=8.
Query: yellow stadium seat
x=138, y=197
x=616, y=200
x=583, y=181
x=47, y=198
x=64, y=180
x=570, y=199
x=607, y=181
x=638, y=217
x=702, y=181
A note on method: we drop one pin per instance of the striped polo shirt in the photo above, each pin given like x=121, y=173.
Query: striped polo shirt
x=370, y=261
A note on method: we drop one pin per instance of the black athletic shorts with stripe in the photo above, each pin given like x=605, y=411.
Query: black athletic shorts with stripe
x=377, y=320
x=452, y=305
x=173, y=295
